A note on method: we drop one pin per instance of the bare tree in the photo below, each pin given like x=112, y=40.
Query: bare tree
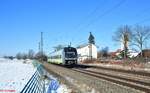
x=24, y=56
x=104, y=52
x=19, y=56
x=58, y=47
x=123, y=35
x=31, y=54
x=141, y=35
x=41, y=56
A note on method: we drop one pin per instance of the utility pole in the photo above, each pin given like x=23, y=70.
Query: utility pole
x=39, y=46
x=70, y=44
x=42, y=44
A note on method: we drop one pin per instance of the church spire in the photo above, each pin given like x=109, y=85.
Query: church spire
x=91, y=39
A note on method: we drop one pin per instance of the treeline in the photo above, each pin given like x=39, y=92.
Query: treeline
x=29, y=55
x=134, y=36
x=9, y=57
x=32, y=55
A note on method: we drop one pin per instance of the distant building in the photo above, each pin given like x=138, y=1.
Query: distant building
x=146, y=53
x=87, y=51
x=114, y=54
x=132, y=53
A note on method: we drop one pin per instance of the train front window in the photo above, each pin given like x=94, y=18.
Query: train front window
x=70, y=55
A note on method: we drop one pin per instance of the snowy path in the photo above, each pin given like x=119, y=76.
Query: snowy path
x=14, y=74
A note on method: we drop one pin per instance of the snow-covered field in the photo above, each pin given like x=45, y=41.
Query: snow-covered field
x=14, y=74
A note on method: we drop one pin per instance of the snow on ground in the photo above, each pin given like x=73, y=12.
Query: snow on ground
x=62, y=88
x=14, y=74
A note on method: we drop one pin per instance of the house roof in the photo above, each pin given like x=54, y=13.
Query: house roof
x=81, y=46
x=84, y=45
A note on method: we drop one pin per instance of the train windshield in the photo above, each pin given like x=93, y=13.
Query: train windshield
x=70, y=54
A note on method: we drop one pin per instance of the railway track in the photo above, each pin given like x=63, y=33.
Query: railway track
x=142, y=73
x=131, y=82
x=132, y=79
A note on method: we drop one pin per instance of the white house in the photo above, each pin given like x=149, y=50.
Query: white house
x=132, y=53
x=87, y=51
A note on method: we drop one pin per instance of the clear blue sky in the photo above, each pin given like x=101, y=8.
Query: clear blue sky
x=64, y=21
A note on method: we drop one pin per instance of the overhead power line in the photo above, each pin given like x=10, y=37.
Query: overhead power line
x=106, y=12
x=41, y=43
x=142, y=21
x=91, y=13
x=146, y=10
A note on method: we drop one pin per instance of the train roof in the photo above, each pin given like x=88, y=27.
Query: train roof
x=69, y=49
x=65, y=49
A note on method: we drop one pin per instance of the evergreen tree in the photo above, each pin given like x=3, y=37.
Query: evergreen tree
x=124, y=53
x=91, y=39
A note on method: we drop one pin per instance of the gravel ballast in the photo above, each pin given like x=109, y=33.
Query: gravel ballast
x=82, y=83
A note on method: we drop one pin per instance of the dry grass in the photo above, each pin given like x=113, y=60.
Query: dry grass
x=89, y=61
x=127, y=62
